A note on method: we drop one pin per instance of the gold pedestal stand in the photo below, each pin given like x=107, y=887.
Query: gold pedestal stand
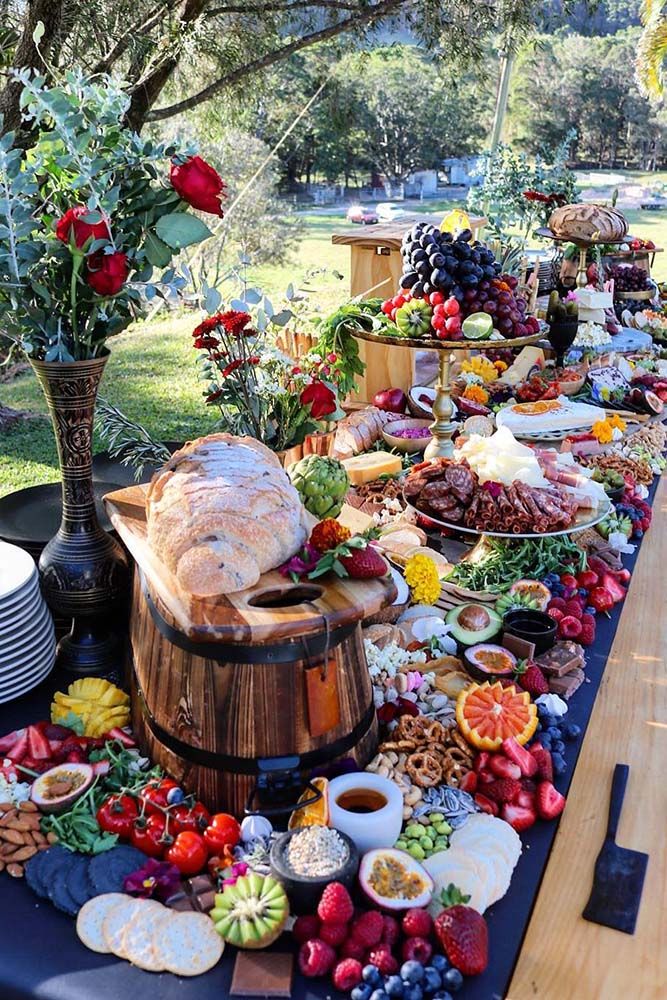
x=442, y=428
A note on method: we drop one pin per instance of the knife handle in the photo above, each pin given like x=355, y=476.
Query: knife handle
x=619, y=781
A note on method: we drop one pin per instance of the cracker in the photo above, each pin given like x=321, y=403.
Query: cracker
x=91, y=917
x=188, y=944
x=139, y=938
x=115, y=922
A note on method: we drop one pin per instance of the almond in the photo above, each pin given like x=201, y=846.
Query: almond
x=20, y=823
x=8, y=817
x=24, y=854
x=13, y=836
x=6, y=806
x=52, y=837
x=28, y=807
x=39, y=838
x=15, y=870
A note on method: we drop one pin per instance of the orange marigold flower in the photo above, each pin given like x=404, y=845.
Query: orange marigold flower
x=329, y=533
x=476, y=394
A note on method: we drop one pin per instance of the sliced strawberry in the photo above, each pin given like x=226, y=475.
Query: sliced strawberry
x=30, y=764
x=468, y=782
x=9, y=740
x=526, y=799
x=550, y=802
x=76, y=757
x=38, y=745
x=53, y=732
x=485, y=778
x=486, y=805
x=504, y=768
x=503, y=790
x=19, y=748
x=528, y=785
x=545, y=769
x=518, y=817
x=101, y=767
x=519, y=756
x=481, y=761
x=119, y=734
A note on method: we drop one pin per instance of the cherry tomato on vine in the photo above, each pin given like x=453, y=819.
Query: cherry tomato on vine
x=148, y=835
x=223, y=831
x=188, y=852
x=154, y=795
x=196, y=819
x=117, y=815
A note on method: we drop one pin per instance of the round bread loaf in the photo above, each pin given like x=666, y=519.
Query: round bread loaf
x=221, y=512
x=588, y=222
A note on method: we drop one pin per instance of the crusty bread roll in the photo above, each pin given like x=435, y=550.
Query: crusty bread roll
x=221, y=512
x=588, y=222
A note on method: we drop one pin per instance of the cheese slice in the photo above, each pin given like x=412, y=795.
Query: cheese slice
x=528, y=358
x=365, y=468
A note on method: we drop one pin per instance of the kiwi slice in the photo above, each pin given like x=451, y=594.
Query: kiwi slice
x=251, y=913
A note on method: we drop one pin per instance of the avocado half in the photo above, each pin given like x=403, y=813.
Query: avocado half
x=473, y=623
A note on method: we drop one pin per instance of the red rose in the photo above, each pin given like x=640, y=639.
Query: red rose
x=107, y=272
x=235, y=322
x=199, y=184
x=321, y=398
x=83, y=231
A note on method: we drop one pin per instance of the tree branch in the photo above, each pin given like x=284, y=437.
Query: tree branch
x=123, y=43
x=49, y=12
x=284, y=5
x=369, y=14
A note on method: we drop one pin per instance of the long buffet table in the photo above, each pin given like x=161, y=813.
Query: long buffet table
x=553, y=954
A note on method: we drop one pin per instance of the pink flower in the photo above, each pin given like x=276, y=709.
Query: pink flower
x=155, y=878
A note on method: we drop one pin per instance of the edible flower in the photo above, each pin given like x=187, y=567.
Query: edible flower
x=476, y=394
x=610, y=429
x=500, y=366
x=236, y=871
x=303, y=562
x=421, y=576
x=329, y=533
x=479, y=365
x=617, y=422
x=156, y=879
x=493, y=488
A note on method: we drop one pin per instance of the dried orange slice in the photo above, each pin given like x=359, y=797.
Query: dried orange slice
x=488, y=713
x=541, y=406
x=318, y=813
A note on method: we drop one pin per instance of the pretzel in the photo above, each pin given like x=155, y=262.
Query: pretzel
x=459, y=740
x=424, y=769
x=398, y=745
x=420, y=729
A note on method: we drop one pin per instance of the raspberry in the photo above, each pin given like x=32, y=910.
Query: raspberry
x=588, y=621
x=587, y=637
x=367, y=929
x=556, y=614
x=417, y=949
x=574, y=608
x=352, y=949
x=417, y=922
x=346, y=975
x=335, y=906
x=306, y=928
x=391, y=931
x=382, y=957
x=569, y=628
x=556, y=602
x=316, y=958
x=333, y=934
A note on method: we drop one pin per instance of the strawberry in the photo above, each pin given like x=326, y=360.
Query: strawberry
x=486, y=805
x=19, y=748
x=504, y=768
x=485, y=778
x=38, y=745
x=364, y=564
x=463, y=934
x=468, y=782
x=543, y=758
x=9, y=740
x=569, y=627
x=417, y=923
x=503, y=790
x=550, y=802
x=481, y=761
x=526, y=799
x=533, y=681
x=519, y=756
x=519, y=817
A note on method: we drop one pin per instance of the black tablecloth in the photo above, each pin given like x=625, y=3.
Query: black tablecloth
x=41, y=956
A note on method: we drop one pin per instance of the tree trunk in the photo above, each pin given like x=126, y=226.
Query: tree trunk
x=49, y=12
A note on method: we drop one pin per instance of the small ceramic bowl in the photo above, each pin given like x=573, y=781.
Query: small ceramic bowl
x=376, y=826
x=407, y=445
x=533, y=626
x=304, y=891
x=572, y=388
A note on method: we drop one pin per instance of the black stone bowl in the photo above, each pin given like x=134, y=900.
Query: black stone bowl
x=304, y=891
x=533, y=626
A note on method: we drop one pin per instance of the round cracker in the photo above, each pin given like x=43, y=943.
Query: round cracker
x=188, y=944
x=91, y=917
x=115, y=922
x=139, y=941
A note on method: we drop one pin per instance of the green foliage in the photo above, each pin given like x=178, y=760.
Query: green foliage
x=83, y=156
x=335, y=337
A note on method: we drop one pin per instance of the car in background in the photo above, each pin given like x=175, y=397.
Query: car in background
x=387, y=211
x=362, y=214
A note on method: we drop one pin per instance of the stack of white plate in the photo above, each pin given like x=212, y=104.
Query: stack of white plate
x=27, y=639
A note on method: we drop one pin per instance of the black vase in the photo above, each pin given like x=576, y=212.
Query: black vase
x=562, y=335
x=83, y=569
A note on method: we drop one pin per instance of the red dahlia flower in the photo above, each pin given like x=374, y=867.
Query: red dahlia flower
x=199, y=184
x=71, y=223
x=107, y=272
x=321, y=398
x=235, y=322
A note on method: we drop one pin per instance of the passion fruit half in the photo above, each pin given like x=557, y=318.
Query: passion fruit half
x=58, y=788
x=393, y=880
x=486, y=661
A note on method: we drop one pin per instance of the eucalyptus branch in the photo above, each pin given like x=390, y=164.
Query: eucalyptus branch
x=128, y=440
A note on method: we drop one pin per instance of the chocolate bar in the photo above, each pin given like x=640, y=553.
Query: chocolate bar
x=262, y=974
x=562, y=658
x=522, y=649
x=197, y=894
x=566, y=686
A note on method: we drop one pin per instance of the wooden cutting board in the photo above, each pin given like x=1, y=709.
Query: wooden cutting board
x=295, y=609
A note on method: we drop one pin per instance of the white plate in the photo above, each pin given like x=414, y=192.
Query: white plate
x=21, y=620
x=26, y=595
x=549, y=435
x=20, y=674
x=28, y=651
x=35, y=635
x=27, y=686
x=16, y=569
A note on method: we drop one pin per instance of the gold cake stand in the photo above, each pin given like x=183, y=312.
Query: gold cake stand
x=442, y=428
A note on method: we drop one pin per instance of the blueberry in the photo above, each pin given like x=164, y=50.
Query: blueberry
x=558, y=746
x=571, y=731
x=378, y=995
x=553, y=732
x=393, y=986
x=639, y=533
x=175, y=796
x=442, y=995
x=590, y=611
x=412, y=972
x=440, y=962
x=545, y=741
x=371, y=975
x=453, y=980
x=413, y=991
x=582, y=592
x=432, y=979
x=361, y=992
x=558, y=763
x=538, y=727
x=549, y=721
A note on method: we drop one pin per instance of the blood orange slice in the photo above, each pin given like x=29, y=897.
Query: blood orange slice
x=489, y=713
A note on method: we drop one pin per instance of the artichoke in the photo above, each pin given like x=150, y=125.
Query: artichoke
x=322, y=483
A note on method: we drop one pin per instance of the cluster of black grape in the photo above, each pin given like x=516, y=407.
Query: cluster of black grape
x=628, y=278
x=437, y=262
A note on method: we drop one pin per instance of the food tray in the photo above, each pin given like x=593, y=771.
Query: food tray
x=584, y=519
x=430, y=344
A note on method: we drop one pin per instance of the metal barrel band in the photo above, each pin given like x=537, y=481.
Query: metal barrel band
x=248, y=765
x=283, y=652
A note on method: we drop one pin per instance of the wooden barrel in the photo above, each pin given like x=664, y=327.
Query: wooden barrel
x=240, y=697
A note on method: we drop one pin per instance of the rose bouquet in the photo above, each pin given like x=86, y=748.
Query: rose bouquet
x=259, y=391
x=88, y=216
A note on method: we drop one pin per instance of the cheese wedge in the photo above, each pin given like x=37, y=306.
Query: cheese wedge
x=365, y=468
